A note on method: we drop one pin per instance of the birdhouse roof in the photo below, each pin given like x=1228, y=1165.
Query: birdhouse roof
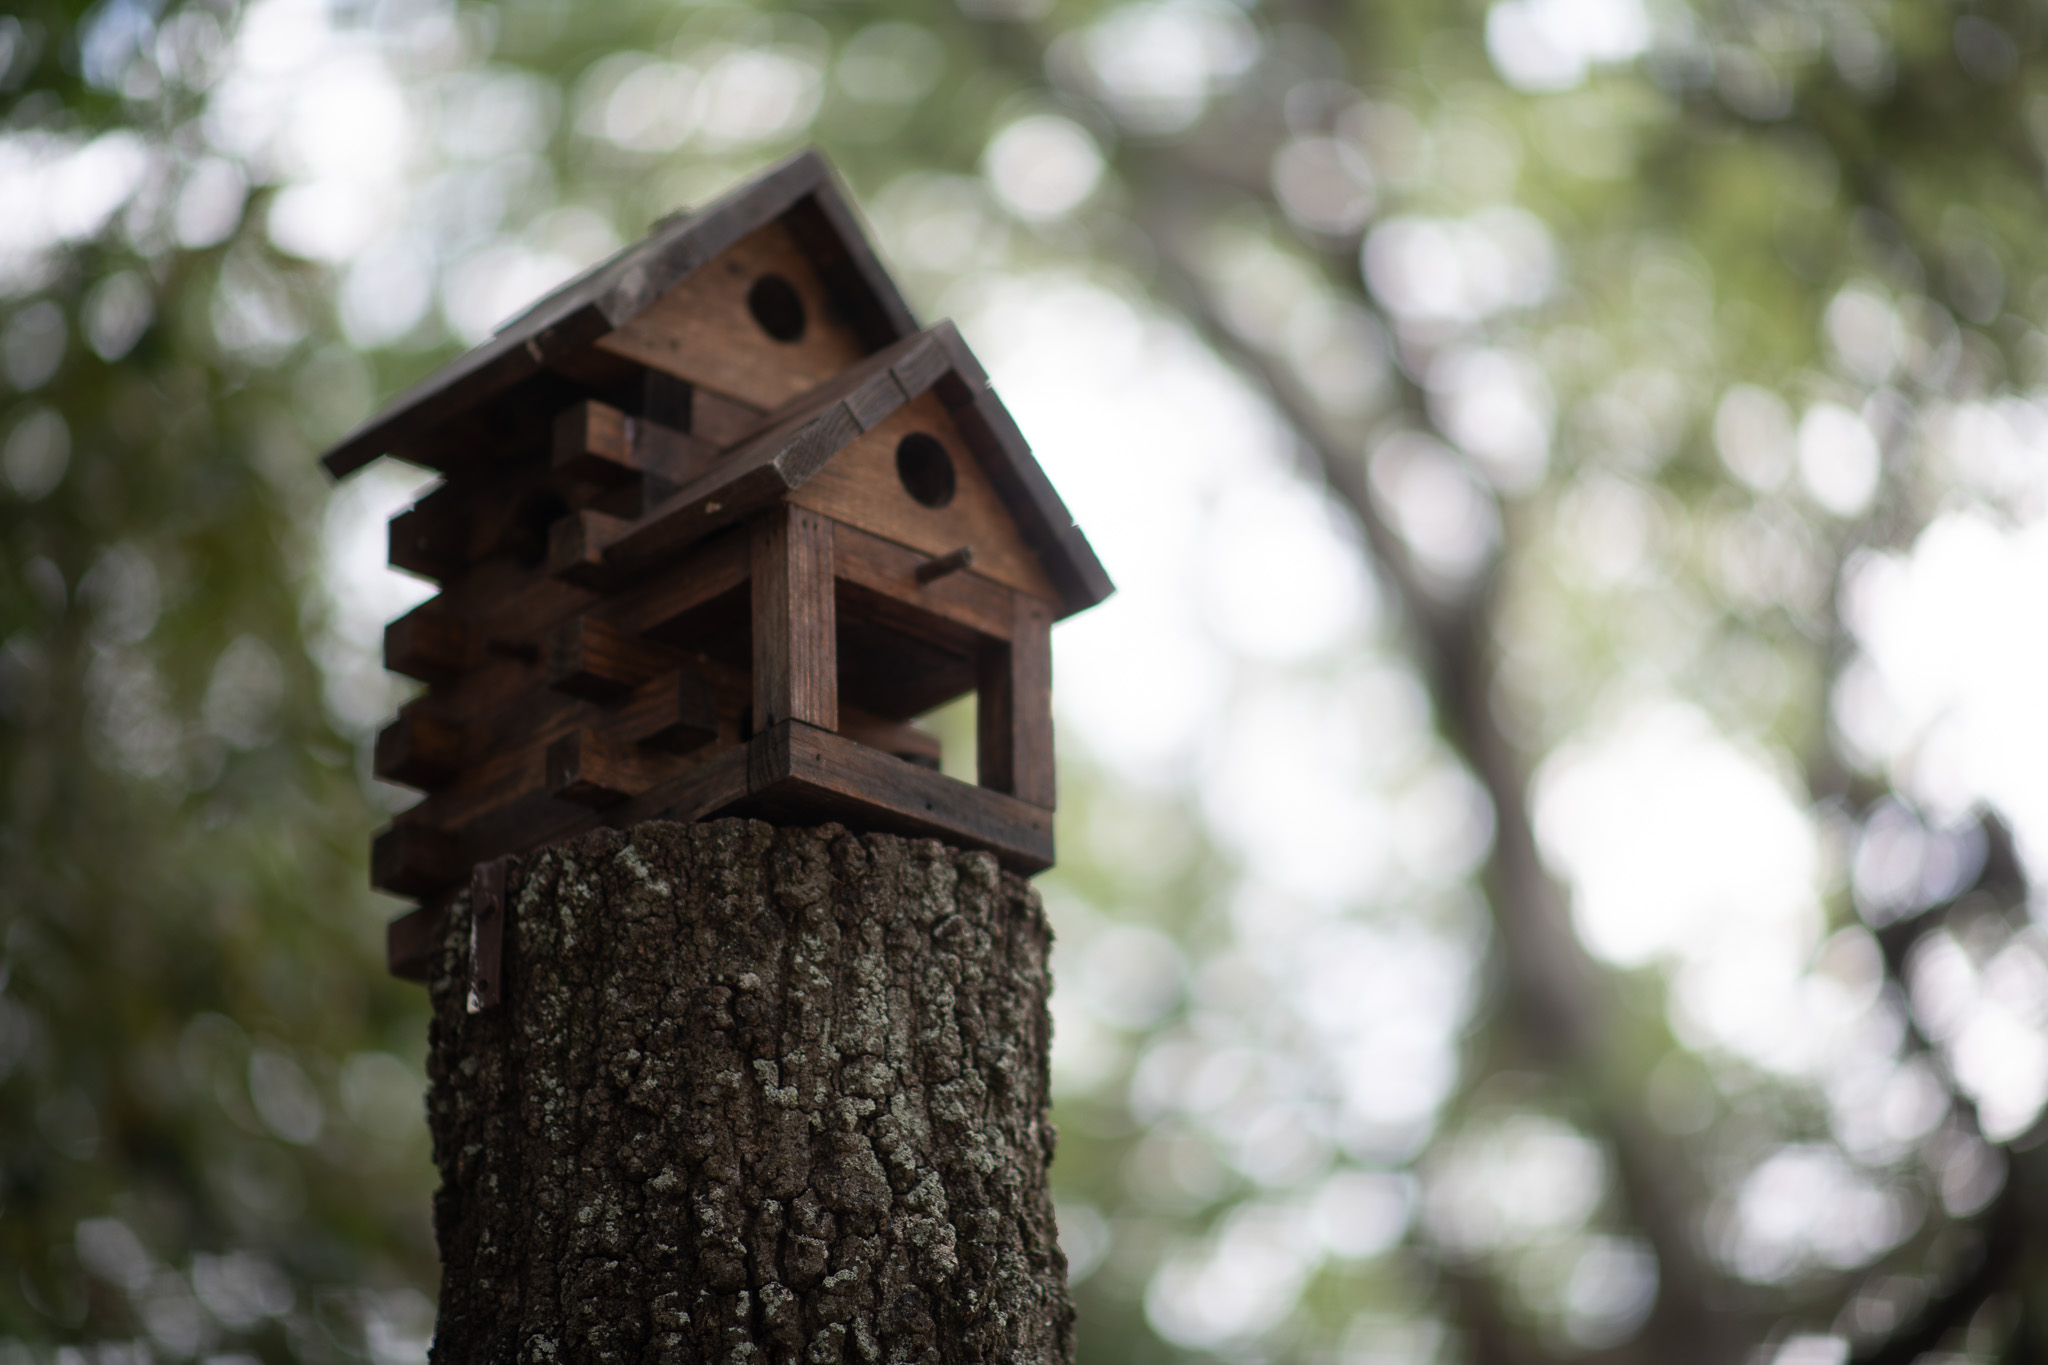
x=800, y=436
x=802, y=440
x=802, y=191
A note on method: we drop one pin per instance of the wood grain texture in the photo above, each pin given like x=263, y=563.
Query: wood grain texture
x=599, y=443
x=677, y=714
x=422, y=748
x=430, y=643
x=860, y=487
x=884, y=567
x=1013, y=714
x=896, y=738
x=721, y=420
x=797, y=772
x=592, y=768
x=702, y=330
x=796, y=659
x=408, y=858
x=591, y=658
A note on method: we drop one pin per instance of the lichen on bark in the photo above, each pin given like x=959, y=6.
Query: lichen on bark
x=754, y=1095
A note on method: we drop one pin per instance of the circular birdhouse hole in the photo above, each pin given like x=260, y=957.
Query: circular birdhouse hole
x=776, y=305
x=925, y=469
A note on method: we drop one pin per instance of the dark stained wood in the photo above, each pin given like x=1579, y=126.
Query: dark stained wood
x=412, y=943
x=595, y=549
x=559, y=330
x=592, y=768
x=703, y=331
x=796, y=666
x=422, y=748
x=591, y=658
x=893, y=737
x=577, y=544
x=659, y=398
x=1013, y=712
x=682, y=708
x=722, y=420
x=799, y=772
x=825, y=226
x=409, y=859
x=860, y=487
x=890, y=570
x=423, y=545
x=896, y=675
x=676, y=554
x=710, y=570
x=598, y=443
x=932, y=570
x=429, y=643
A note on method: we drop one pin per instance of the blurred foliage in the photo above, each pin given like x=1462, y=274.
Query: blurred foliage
x=1635, y=336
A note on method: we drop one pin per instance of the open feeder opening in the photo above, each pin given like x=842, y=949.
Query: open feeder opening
x=779, y=309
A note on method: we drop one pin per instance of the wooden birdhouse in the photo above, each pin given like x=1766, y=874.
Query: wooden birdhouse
x=717, y=522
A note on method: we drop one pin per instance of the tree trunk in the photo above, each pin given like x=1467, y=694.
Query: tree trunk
x=751, y=1095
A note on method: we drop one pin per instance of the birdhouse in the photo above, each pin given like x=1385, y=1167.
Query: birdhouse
x=717, y=523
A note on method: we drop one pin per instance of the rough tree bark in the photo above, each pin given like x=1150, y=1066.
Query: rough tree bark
x=752, y=1095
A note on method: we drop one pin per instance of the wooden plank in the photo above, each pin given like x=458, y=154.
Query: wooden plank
x=413, y=943
x=653, y=396
x=896, y=738
x=861, y=487
x=829, y=231
x=722, y=420
x=421, y=748
x=598, y=443
x=591, y=658
x=797, y=772
x=708, y=571
x=796, y=666
x=593, y=549
x=703, y=329
x=409, y=858
x=591, y=441
x=1013, y=711
x=677, y=713
x=592, y=768
x=577, y=545
x=430, y=643
x=881, y=566
x=422, y=544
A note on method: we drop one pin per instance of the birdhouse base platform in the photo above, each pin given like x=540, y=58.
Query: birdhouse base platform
x=794, y=773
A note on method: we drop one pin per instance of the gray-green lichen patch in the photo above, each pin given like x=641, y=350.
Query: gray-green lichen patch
x=753, y=1095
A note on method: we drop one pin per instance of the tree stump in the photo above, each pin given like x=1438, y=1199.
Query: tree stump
x=751, y=1095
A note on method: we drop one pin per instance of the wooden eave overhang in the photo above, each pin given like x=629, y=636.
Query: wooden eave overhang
x=802, y=189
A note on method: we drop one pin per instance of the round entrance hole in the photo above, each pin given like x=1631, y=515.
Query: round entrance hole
x=776, y=306
x=925, y=469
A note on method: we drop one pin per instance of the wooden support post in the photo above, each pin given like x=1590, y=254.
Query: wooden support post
x=1013, y=707
x=796, y=656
